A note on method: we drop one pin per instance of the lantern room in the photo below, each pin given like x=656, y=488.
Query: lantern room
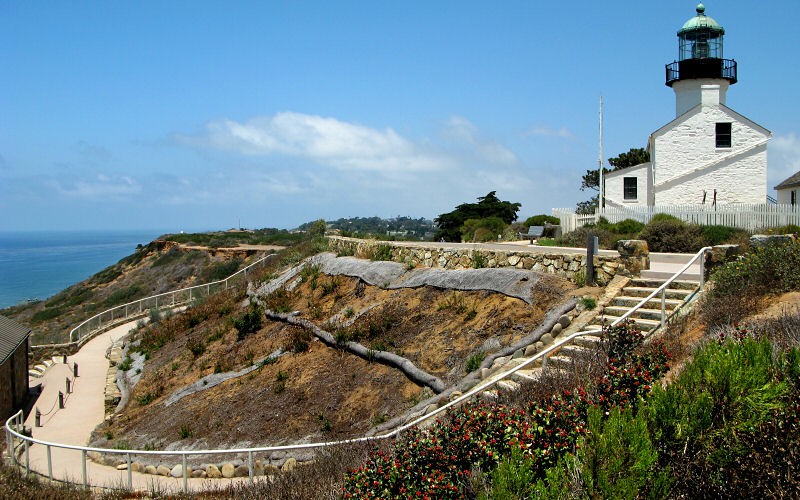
x=700, y=51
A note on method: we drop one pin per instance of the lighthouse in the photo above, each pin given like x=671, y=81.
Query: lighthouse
x=701, y=74
x=708, y=154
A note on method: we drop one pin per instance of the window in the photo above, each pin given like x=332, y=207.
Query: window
x=723, y=135
x=793, y=197
x=629, y=188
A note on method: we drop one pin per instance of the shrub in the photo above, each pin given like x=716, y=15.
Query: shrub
x=672, y=235
x=589, y=303
x=186, y=431
x=280, y=300
x=577, y=238
x=482, y=229
x=474, y=362
x=249, y=322
x=717, y=235
x=124, y=295
x=628, y=226
x=479, y=260
x=46, y=314
x=540, y=220
x=126, y=364
x=196, y=347
x=381, y=252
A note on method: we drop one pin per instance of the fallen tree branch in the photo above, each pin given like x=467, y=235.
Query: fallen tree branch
x=410, y=370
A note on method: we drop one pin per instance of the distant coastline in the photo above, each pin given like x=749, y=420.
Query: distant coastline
x=35, y=265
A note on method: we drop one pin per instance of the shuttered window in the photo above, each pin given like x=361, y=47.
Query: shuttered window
x=630, y=188
x=723, y=135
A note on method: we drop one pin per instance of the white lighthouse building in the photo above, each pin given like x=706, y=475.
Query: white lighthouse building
x=709, y=154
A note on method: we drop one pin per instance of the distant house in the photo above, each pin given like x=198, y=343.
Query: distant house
x=789, y=190
x=709, y=154
x=13, y=366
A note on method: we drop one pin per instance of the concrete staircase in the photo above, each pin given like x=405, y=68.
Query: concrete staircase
x=647, y=319
x=38, y=370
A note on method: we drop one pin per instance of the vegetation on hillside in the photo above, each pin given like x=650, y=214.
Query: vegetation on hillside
x=234, y=237
x=664, y=233
x=395, y=228
x=481, y=221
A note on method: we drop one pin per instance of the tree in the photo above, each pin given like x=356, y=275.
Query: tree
x=591, y=180
x=450, y=224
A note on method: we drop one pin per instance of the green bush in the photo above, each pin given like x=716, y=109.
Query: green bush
x=718, y=235
x=482, y=229
x=221, y=270
x=668, y=234
x=628, y=226
x=577, y=238
x=540, y=220
x=125, y=295
x=45, y=314
x=474, y=362
x=249, y=322
x=381, y=253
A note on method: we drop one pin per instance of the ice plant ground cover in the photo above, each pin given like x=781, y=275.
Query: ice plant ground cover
x=438, y=462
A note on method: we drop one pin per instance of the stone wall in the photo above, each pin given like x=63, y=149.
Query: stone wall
x=570, y=266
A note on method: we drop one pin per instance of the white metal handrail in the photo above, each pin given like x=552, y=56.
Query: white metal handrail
x=16, y=420
x=138, y=307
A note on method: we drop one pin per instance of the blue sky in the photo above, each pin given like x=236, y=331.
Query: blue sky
x=202, y=115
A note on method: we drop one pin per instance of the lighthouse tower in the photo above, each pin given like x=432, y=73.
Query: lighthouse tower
x=701, y=75
x=708, y=154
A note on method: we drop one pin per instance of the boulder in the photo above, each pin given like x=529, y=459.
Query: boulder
x=633, y=248
x=241, y=471
x=213, y=472
x=150, y=469
x=289, y=465
x=177, y=471
x=518, y=354
x=271, y=470
x=455, y=395
x=199, y=474
x=228, y=470
x=163, y=470
x=137, y=467
x=530, y=350
x=547, y=339
x=557, y=328
x=123, y=467
x=564, y=320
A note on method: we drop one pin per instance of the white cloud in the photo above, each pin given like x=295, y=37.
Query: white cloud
x=99, y=187
x=544, y=131
x=461, y=131
x=783, y=158
x=327, y=141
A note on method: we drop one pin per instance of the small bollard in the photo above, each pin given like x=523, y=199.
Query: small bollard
x=65, y=359
x=60, y=400
x=68, y=386
x=38, y=417
x=74, y=369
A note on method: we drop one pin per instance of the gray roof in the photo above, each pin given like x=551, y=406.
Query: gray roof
x=12, y=334
x=790, y=182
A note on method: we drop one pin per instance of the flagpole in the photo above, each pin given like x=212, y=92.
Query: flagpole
x=602, y=198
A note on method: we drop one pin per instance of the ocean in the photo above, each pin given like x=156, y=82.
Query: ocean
x=38, y=264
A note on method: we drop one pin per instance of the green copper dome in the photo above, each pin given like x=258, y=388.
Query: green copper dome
x=701, y=22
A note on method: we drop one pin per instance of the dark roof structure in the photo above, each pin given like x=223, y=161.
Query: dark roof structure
x=12, y=334
x=790, y=182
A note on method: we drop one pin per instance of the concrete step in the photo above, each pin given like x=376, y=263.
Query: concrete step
x=665, y=275
x=588, y=341
x=644, y=324
x=670, y=293
x=575, y=351
x=655, y=303
x=655, y=283
x=640, y=313
x=48, y=362
x=41, y=368
x=33, y=372
x=531, y=375
x=507, y=385
x=560, y=362
x=58, y=359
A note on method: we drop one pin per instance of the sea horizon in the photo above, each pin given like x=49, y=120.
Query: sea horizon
x=37, y=264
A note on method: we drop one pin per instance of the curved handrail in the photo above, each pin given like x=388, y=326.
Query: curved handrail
x=17, y=418
x=74, y=334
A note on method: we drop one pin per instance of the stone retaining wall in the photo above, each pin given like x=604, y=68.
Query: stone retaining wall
x=570, y=266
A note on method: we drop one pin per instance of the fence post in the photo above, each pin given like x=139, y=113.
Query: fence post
x=663, y=304
x=130, y=473
x=703, y=269
x=590, y=259
x=27, y=458
x=83, y=468
x=10, y=445
x=49, y=464
x=250, y=465
x=185, y=475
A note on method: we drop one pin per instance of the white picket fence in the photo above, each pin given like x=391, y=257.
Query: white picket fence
x=751, y=217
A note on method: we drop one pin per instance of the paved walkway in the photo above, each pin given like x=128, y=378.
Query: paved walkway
x=83, y=411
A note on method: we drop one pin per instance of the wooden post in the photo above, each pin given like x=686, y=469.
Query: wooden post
x=38, y=419
x=74, y=369
x=60, y=400
x=590, y=251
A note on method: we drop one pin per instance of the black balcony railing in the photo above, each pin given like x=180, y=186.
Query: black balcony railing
x=701, y=68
